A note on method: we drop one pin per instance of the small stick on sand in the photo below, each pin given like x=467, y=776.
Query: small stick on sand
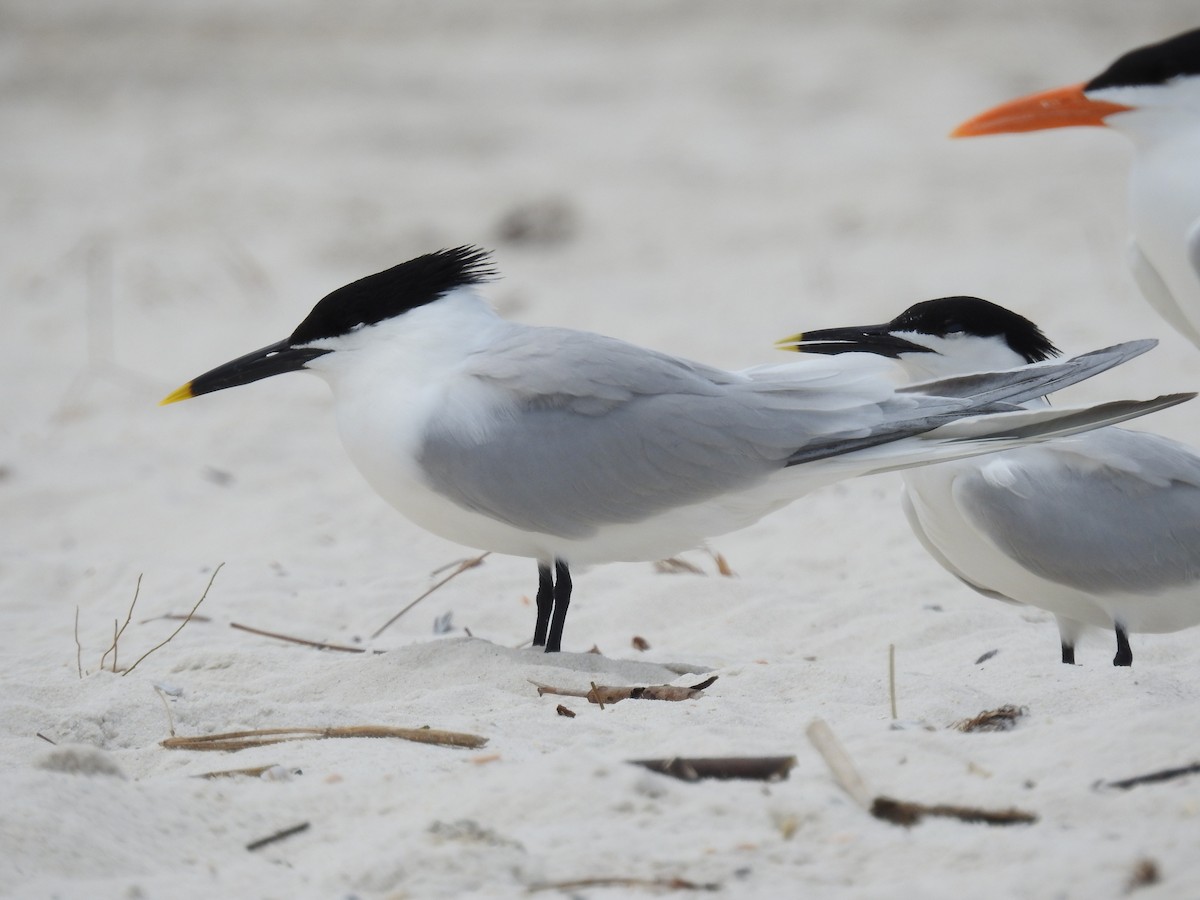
x=675, y=566
x=118, y=632
x=181, y=624
x=242, y=740
x=892, y=678
x=899, y=812
x=722, y=564
x=170, y=718
x=253, y=772
x=46, y=739
x=78, y=647
x=750, y=768
x=277, y=836
x=902, y=812
x=670, y=884
x=462, y=567
x=320, y=645
x=844, y=773
x=1153, y=777
x=602, y=694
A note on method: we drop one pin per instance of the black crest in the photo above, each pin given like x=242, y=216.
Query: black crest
x=1155, y=64
x=393, y=291
x=971, y=315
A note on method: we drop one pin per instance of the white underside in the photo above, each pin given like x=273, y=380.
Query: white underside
x=930, y=502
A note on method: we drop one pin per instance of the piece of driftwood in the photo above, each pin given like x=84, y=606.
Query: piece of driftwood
x=602, y=694
x=1153, y=777
x=906, y=813
x=750, y=768
x=242, y=740
x=899, y=812
x=1002, y=719
x=277, y=836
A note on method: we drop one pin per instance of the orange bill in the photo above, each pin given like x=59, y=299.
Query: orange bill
x=1058, y=108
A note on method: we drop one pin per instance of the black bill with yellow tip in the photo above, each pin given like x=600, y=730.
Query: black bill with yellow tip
x=272, y=360
x=875, y=339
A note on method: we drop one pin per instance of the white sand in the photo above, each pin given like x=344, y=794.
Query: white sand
x=183, y=181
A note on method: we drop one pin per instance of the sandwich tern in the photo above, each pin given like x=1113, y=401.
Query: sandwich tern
x=1101, y=529
x=572, y=448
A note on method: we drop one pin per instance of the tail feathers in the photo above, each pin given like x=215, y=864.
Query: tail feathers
x=1021, y=426
x=977, y=435
x=1028, y=382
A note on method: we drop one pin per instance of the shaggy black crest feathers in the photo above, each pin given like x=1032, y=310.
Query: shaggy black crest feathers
x=393, y=291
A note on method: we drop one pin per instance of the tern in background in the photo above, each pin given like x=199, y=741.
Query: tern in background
x=572, y=448
x=1152, y=95
x=1100, y=529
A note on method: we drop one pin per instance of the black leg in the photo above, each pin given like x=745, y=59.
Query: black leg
x=562, y=599
x=545, y=603
x=1068, y=651
x=1124, y=655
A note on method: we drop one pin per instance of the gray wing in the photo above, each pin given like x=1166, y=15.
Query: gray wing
x=595, y=431
x=1111, y=511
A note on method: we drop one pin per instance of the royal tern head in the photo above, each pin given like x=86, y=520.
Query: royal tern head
x=1147, y=89
x=936, y=338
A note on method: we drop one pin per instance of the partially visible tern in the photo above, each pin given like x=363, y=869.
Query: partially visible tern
x=1100, y=529
x=1151, y=95
x=572, y=448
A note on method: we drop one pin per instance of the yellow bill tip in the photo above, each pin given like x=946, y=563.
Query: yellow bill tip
x=790, y=343
x=183, y=393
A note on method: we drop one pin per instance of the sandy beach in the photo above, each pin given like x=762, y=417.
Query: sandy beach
x=183, y=182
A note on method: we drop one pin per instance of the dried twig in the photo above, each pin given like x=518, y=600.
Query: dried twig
x=462, y=567
x=46, y=739
x=670, y=884
x=78, y=646
x=1153, y=777
x=320, y=645
x=172, y=617
x=181, y=624
x=903, y=812
x=118, y=632
x=899, y=812
x=675, y=566
x=751, y=768
x=722, y=563
x=277, y=836
x=602, y=694
x=1002, y=719
x=252, y=772
x=166, y=706
x=892, y=678
x=241, y=740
